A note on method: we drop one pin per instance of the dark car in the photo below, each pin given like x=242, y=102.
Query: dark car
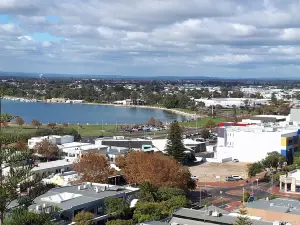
x=230, y=179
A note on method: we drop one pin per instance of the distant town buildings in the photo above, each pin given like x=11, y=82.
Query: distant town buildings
x=64, y=100
x=231, y=102
x=130, y=102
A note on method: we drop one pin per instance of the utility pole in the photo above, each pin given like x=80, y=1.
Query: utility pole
x=200, y=204
x=243, y=195
x=212, y=105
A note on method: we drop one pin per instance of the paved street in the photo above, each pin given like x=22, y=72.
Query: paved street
x=228, y=198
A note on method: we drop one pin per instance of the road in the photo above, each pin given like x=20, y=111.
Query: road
x=223, y=197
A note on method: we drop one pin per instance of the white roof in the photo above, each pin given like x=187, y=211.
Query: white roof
x=52, y=164
x=295, y=174
x=160, y=144
x=191, y=142
x=73, y=144
x=272, y=116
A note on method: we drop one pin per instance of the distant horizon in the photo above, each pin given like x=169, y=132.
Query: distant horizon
x=116, y=76
x=152, y=38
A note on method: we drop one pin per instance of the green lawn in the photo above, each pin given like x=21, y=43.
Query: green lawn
x=202, y=122
x=86, y=130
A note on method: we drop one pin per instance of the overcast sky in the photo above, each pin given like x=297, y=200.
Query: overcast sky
x=224, y=38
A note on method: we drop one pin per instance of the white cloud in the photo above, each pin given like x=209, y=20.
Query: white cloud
x=227, y=59
x=160, y=37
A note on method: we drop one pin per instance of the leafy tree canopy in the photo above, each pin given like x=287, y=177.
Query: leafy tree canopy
x=116, y=207
x=83, y=218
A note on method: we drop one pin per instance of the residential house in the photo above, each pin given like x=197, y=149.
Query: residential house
x=82, y=197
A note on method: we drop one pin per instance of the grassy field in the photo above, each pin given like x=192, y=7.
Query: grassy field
x=84, y=130
x=103, y=130
x=203, y=121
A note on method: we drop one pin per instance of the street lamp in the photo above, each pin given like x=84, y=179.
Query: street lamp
x=221, y=192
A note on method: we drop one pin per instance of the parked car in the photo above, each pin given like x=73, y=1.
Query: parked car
x=194, y=177
x=237, y=177
x=235, y=160
x=230, y=179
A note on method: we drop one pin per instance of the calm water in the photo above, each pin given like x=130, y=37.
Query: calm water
x=83, y=113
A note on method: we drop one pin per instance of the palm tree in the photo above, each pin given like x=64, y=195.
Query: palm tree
x=242, y=219
x=148, y=192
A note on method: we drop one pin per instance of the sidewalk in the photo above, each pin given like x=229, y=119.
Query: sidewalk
x=275, y=190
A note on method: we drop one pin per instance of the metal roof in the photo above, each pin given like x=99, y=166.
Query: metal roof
x=87, y=195
x=200, y=216
x=284, y=205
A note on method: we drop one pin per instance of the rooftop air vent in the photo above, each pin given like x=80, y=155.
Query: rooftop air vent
x=216, y=214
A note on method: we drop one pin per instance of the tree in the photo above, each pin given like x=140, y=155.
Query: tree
x=65, y=125
x=148, y=192
x=205, y=133
x=170, y=101
x=83, y=218
x=52, y=125
x=36, y=123
x=242, y=218
x=201, y=104
x=20, y=121
x=116, y=207
x=166, y=193
x=4, y=124
x=273, y=98
x=273, y=160
x=20, y=145
x=93, y=167
x=5, y=117
x=23, y=216
x=148, y=211
x=16, y=169
x=210, y=124
x=47, y=149
x=158, y=123
x=175, y=145
x=174, y=203
x=158, y=169
x=254, y=168
x=120, y=222
x=151, y=122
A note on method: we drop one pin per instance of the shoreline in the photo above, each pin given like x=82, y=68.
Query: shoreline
x=175, y=111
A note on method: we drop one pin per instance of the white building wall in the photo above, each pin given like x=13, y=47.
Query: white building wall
x=250, y=146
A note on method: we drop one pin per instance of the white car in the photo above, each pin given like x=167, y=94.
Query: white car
x=194, y=177
x=235, y=160
x=236, y=177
